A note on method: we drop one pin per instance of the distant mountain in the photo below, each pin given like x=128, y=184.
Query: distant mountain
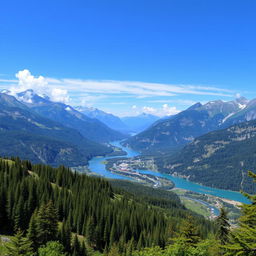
x=91, y=129
x=139, y=123
x=26, y=134
x=247, y=112
x=219, y=159
x=110, y=120
x=175, y=132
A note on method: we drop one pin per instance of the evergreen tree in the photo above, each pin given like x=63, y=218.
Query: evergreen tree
x=243, y=239
x=19, y=246
x=65, y=236
x=75, y=247
x=190, y=232
x=90, y=231
x=88, y=207
x=32, y=231
x=47, y=223
x=52, y=248
x=223, y=226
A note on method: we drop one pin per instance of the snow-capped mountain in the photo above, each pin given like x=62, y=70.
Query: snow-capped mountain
x=91, y=129
x=195, y=121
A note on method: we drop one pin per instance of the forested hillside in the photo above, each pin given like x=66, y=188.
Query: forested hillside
x=30, y=136
x=36, y=199
x=213, y=157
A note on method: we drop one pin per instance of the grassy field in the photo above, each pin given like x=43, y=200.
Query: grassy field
x=196, y=207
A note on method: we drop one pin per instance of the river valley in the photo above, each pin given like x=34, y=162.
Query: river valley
x=97, y=165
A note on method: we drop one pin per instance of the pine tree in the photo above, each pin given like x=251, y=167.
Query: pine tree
x=19, y=246
x=52, y=248
x=90, y=231
x=47, y=223
x=243, y=239
x=32, y=231
x=75, y=247
x=223, y=226
x=190, y=232
x=65, y=236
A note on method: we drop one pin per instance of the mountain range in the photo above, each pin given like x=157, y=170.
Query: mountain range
x=204, y=143
x=36, y=128
x=171, y=134
x=90, y=128
x=26, y=134
x=108, y=119
x=126, y=125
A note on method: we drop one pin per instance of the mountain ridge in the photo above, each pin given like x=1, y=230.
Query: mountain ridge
x=90, y=128
x=175, y=132
x=25, y=133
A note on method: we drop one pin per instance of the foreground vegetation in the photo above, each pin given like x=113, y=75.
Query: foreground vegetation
x=54, y=212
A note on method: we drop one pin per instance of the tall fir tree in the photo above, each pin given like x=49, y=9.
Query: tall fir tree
x=223, y=227
x=19, y=246
x=32, y=234
x=47, y=223
x=190, y=232
x=243, y=238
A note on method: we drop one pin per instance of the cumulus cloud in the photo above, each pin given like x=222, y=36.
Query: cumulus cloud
x=164, y=110
x=88, y=92
x=59, y=95
x=27, y=81
x=149, y=110
x=39, y=85
x=169, y=111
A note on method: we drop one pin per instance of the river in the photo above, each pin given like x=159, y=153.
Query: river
x=97, y=165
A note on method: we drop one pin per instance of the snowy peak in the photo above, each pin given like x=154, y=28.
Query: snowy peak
x=242, y=101
x=30, y=97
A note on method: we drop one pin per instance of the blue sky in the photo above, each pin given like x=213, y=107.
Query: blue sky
x=130, y=56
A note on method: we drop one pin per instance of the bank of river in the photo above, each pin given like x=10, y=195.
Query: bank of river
x=97, y=165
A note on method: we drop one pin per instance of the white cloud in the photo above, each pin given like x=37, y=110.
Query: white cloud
x=164, y=110
x=140, y=89
x=39, y=85
x=88, y=92
x=238, y=95
x=168, y=111
x=59, y=95
x=27, y=81
x=134, y=107
x=149, y=110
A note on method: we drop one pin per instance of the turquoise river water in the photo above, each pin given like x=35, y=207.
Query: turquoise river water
x=96, y=165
